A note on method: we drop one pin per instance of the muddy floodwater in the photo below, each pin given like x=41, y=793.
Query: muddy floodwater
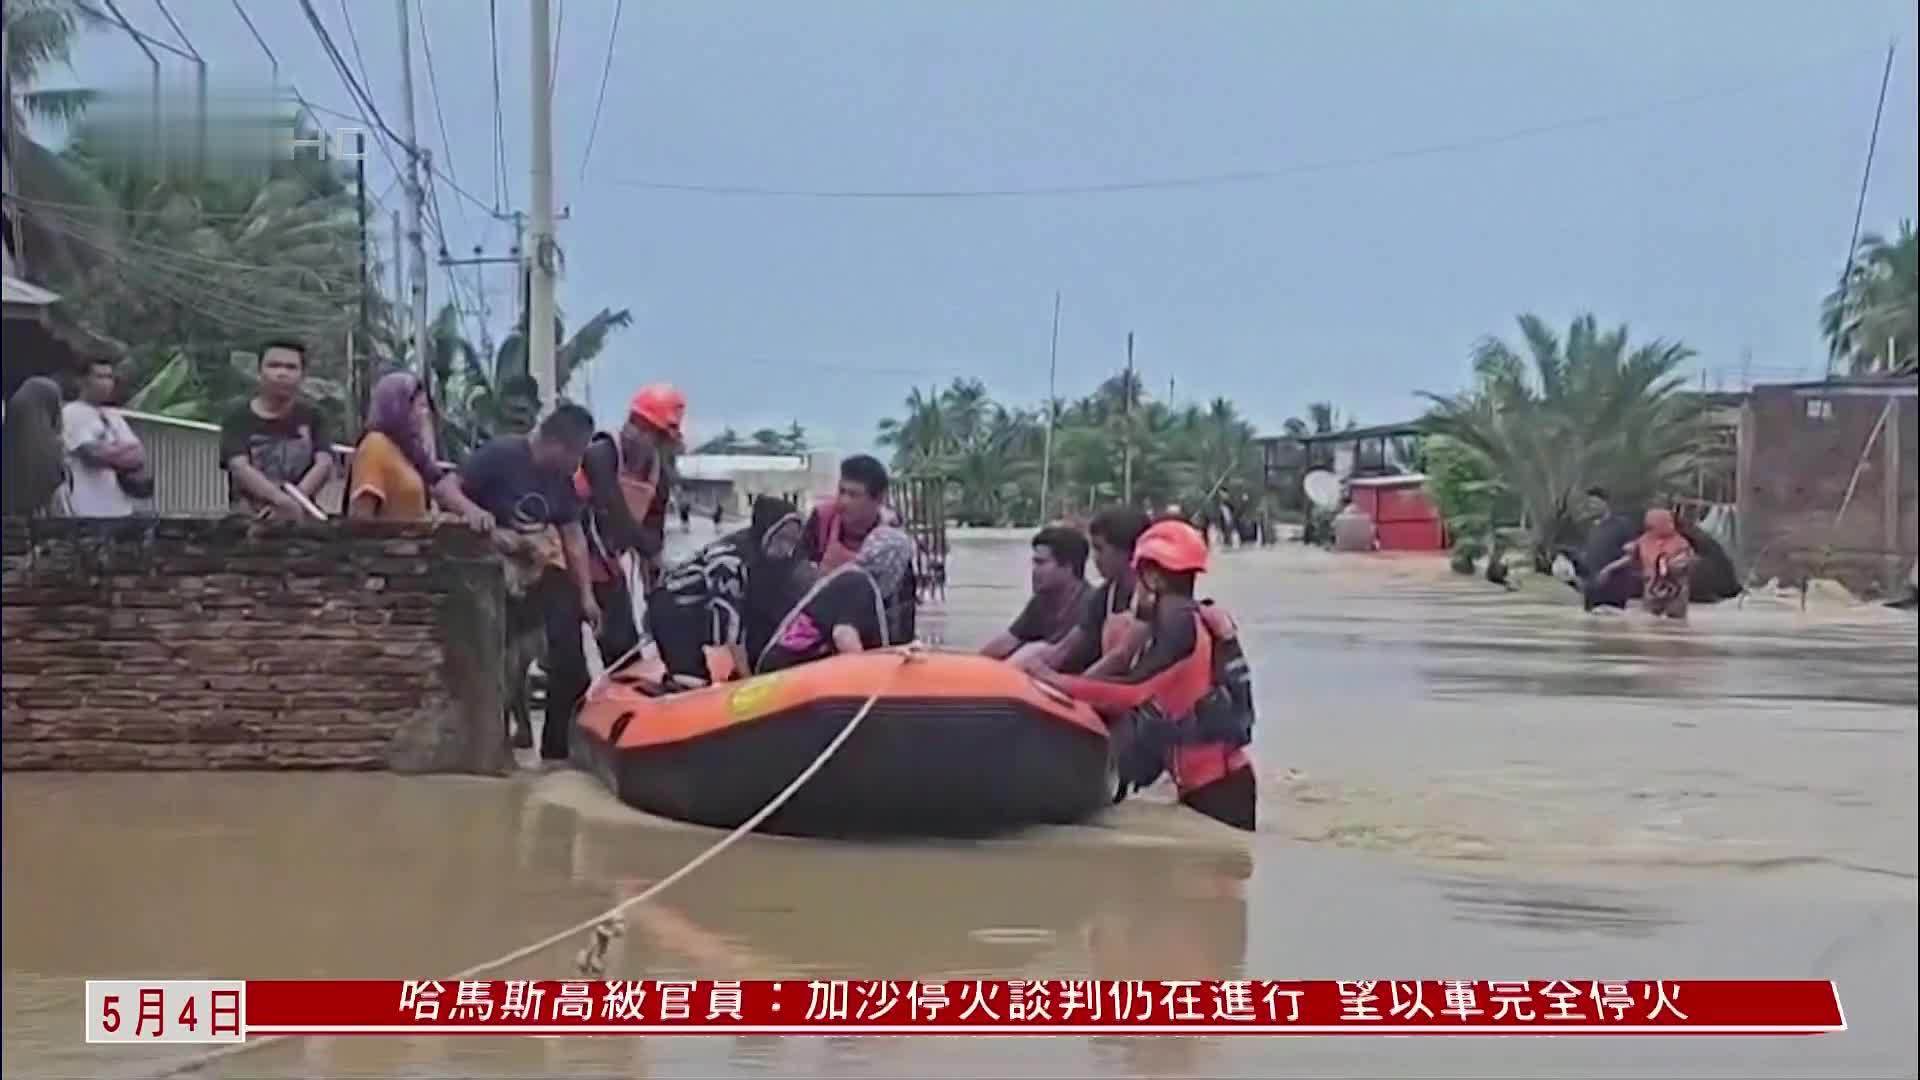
x=1457, y=782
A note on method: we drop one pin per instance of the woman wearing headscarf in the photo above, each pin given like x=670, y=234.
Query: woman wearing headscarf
x=36, y=467
x=847, y=611
x=393, y=468
x=1665, y=560
x=719, y=598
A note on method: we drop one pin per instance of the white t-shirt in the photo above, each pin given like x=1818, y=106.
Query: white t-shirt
x=95, y=489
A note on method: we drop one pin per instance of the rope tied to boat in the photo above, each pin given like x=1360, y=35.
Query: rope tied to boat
x=609, y=925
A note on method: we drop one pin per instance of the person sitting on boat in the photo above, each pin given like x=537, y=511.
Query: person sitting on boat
x=1174, y=706
x=730, y=595
x=838, y=526
x=847, y=610
x=1097, y=644
x=1665, y=560
x=1060, y=589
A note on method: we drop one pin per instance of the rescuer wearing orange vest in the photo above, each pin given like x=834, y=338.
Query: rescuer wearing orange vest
x=1187, y=714
x=623, y=482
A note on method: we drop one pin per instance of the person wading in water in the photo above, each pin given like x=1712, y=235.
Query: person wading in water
x=1100, y=643
x=1165, y=704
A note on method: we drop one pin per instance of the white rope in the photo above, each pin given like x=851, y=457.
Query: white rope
x=598, y=922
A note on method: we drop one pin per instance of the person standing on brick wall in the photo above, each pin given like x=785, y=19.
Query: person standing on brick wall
x=276, y=439
x=526, y=483
x=105, y=461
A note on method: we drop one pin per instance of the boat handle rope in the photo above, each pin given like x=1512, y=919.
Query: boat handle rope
x=609, y=924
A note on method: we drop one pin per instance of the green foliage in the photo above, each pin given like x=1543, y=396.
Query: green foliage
x=764, y=441
x=1569, y=414
x=991, y=454
x=1463, y=486
x=1870, y=320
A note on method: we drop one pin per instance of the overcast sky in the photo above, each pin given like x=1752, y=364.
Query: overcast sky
x=1427, y=171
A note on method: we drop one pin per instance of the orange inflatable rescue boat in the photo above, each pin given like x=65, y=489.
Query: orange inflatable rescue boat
x=955, y=745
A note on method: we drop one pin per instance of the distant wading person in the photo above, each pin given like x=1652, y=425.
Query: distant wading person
x=1665, y=561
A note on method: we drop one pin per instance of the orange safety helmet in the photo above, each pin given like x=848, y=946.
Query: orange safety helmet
x=660, y=406
x=1173, y=546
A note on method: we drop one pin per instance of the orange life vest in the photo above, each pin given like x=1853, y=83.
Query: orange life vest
x=638, y=493
x=836, y=552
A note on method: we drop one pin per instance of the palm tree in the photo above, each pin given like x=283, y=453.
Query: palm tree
x=40, y=35
x=480, y=398
x=922, y=436
x=1870, y=319
x=1570, y=414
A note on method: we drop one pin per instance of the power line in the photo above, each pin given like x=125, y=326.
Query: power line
x=600, y=101
x=1222, y=179
x=440, y=116
x=370, y=112
x=353, y=38
x=501, y=186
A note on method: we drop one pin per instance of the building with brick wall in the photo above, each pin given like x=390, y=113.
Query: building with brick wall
x=1806, y=450
x=148, y=643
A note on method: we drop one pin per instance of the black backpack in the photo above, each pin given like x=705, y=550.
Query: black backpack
x=1226, y=713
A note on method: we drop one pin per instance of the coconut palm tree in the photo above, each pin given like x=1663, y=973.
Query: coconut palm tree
x=1552, y=417
x=40, y=36
x=1870, y=319
x=482, y=397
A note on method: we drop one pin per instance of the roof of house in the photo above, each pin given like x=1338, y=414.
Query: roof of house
x=727, y=466
x=1376, y=431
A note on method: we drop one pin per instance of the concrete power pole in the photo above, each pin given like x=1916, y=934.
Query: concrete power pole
x=416, y=194
x=399, y=310
x=540, y=247
x=1126, y=431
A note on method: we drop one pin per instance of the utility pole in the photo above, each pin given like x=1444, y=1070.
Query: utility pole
x=1126, y=428
x=399, y=309
x=1860, y=206
x=360, y=369
x=416, y=193
x=541, y=267
x=1053, y=366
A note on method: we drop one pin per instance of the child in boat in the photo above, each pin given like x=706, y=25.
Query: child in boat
x=846, y=611
x=1157, y=700
x=1665, y=560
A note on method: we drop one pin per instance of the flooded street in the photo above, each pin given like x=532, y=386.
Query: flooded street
x=1457, y=782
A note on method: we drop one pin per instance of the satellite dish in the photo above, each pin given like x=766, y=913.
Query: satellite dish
x=1323, y=489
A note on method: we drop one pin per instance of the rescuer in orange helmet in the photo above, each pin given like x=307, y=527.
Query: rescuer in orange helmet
x=1184, y=706
x=623, y=482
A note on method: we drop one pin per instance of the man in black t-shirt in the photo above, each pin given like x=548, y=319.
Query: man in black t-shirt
x=1105, y=609
x=276, y=439
x=1059, y=594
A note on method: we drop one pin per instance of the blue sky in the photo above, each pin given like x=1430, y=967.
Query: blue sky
x=1435, y=168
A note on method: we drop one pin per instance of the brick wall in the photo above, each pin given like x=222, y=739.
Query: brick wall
x=1799, y=447
x=219, y=644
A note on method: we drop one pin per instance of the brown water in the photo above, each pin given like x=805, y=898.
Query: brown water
x=1458, y=782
